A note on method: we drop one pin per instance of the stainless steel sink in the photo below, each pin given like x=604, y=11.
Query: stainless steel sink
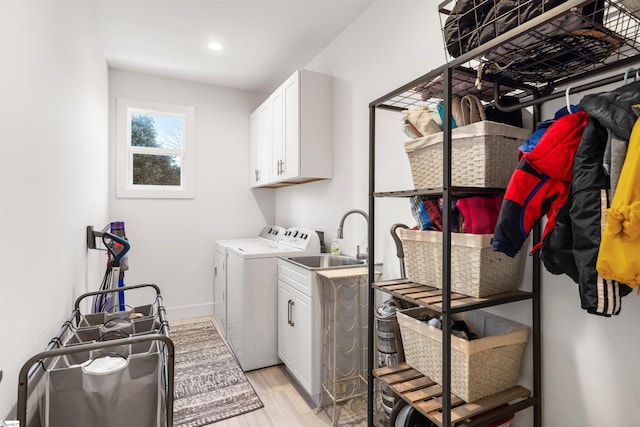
x=325, y=261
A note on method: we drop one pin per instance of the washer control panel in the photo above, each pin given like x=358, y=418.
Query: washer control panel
x=300, y=238
x=272, y=233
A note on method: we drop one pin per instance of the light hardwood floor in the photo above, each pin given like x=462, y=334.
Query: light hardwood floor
x=284, y=405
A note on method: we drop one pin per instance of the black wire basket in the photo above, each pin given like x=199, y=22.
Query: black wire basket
x=558, y=45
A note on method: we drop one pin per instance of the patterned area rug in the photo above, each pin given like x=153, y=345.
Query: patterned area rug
x=209, y=385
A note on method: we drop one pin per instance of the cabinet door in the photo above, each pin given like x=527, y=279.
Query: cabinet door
x=290, y=166
x=294, y=333
x=276, y=102
x=260, y=128
x=220, y=291
x=301, y=337
x=285, y=331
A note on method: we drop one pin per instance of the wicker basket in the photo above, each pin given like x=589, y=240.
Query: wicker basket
x=483, y=154
x=476, y=269
x=480, y=367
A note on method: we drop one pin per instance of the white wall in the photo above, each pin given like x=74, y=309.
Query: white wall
x=588, y=376
x=389, y=45
x=53, y=177
x=172, y=241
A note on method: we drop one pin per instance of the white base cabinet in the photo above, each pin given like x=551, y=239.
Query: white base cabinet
x=291, y=133
x=299, y=335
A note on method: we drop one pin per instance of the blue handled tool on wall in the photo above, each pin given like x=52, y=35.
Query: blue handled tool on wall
x=117, y=246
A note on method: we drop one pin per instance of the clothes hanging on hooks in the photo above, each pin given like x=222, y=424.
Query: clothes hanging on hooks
x=572, y=246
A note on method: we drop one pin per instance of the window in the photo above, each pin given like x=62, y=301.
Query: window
x=155, y=150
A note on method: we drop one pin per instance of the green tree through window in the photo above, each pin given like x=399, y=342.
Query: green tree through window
x=155, y=149
x=152, y=169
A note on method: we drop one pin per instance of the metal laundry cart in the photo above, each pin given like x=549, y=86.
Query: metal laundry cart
x=103, y=369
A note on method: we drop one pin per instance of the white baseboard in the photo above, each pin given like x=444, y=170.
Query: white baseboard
x=189, y=311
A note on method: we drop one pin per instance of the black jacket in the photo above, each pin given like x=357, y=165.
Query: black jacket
x=571, y=247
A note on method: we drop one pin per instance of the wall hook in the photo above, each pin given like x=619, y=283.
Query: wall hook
x=626, y=75
x=92, y=235
x=566, y=95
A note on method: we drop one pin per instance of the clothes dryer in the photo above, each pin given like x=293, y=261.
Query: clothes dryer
x=268, y=237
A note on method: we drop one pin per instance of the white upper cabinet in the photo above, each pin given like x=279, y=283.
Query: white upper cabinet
x=277, y=133
x=298, y=138
x=260, y=129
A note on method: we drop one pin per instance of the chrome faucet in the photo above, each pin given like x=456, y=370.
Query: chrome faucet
x=340, y=235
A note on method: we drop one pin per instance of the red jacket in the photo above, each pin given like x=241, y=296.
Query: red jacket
x=540, y=184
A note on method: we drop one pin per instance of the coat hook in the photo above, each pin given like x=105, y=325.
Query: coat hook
x=626, y=75
x=566, y=95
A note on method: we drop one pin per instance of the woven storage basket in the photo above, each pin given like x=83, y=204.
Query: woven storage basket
x=483, y=154
x=476, y=269
x=480, y=367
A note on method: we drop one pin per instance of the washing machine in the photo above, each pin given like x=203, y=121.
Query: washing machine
x=252, y=295
x=268, y=238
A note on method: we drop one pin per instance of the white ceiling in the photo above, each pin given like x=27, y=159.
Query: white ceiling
x=264, y=40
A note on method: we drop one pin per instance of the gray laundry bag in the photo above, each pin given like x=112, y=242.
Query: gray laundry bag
x=130, y=393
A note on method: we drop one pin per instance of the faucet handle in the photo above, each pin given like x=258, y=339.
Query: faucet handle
x=362, y=256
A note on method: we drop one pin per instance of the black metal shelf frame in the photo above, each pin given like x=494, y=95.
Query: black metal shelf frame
x=447, y=191
x=532, y=94
x=447, y=81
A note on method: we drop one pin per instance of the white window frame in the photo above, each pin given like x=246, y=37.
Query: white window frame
x=124, y=151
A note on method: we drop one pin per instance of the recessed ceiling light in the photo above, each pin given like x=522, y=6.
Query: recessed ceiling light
x=215, y=46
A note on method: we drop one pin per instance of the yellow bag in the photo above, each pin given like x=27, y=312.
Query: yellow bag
x=618, y=257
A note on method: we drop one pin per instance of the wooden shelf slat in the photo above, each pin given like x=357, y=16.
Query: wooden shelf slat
x=417, y=294
x=485, y=404
x=431, y=408
x=401, y=376
x=423, y=394
x=381, y=372
x=426, y=395
x=431, y=297
x=414, y=384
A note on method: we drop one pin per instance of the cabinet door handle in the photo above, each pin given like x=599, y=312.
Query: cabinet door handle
x=282, y=167
x=292, y=322
x=289, y=312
